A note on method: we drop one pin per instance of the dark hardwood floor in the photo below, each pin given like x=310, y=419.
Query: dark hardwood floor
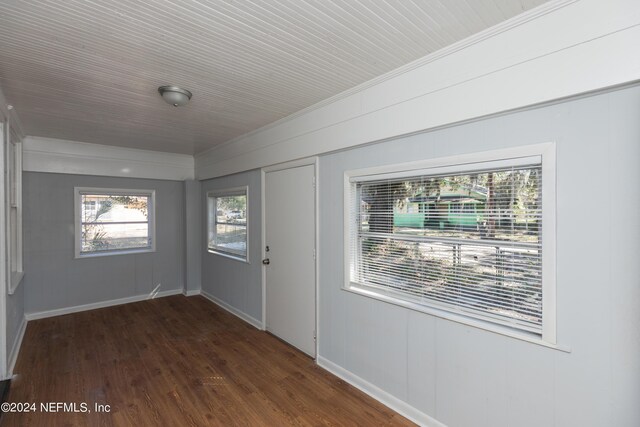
x=177, y=361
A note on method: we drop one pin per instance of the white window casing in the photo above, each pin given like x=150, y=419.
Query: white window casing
x=470, y=238
x=13, y=212
x=114, y=221
x=228, y=223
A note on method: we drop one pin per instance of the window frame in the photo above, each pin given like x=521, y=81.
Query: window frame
x=13, y=213
x=226, y=192
x=545, y=154
x=151, y=219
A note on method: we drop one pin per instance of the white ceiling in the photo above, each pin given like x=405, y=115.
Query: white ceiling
x=89, y=70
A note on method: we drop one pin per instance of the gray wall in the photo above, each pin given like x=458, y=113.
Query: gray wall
x=54, y=279
x=464, y=376
x=15, y=317
x=236, y=283
x=193, y=235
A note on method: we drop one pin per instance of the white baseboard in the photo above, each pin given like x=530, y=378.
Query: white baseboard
x=192, y=293
x=244, y=316
x=401, y=407
x=15, y=349
x=101, y=304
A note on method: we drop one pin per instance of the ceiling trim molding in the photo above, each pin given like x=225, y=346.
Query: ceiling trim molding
x=81, y=158
x=490, y=32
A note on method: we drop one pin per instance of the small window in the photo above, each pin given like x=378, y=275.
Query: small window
x=227, y=222
x=114, y=221
x=475, y=249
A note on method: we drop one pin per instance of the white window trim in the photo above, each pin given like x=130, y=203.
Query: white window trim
x=14, y=201
x=234, y=191
x=78, y=191
x=545, y=152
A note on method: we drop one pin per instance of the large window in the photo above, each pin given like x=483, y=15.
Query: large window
x=114, y=221
x=459, y=238
x=227, y=222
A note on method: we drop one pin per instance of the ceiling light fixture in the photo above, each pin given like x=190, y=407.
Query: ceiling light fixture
x=174, y=95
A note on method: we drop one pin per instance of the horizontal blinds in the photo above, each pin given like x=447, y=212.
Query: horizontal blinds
x=113, y=193
x=443, y=168
x=465, y=242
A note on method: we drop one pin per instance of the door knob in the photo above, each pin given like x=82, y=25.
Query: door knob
x=266, y=261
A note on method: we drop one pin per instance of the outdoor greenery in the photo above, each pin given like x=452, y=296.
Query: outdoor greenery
x=232, y=203
x=95, y=236
x=509, y=207
x=440, y=257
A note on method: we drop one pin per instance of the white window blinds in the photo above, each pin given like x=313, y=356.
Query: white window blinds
x=468, y=241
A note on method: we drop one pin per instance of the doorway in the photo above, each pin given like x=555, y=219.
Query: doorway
x=289, y=254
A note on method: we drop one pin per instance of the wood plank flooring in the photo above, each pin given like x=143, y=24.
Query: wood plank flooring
x=177, y=361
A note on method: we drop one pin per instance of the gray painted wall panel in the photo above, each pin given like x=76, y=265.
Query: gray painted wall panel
x=54, y=279
x=533, y=405
x=236, y=283
x=359, y=336
x=465, y=376
x=194, y=235
x=421, y=357
x=15, y=317
x=384, y=332
x=625, y=334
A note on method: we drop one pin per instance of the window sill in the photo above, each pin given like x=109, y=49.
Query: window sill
x=228, y=255
x=16, y=279
x=459, y=318
x=111, y=253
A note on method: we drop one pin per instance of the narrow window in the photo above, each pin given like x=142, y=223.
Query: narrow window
x=227, y=222
x=14, y=213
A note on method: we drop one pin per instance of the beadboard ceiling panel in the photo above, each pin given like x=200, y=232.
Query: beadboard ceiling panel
x=89, y=70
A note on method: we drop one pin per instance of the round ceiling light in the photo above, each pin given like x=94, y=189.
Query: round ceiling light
x=174, y=95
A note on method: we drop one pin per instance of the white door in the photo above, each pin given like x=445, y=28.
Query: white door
x=289, y=252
